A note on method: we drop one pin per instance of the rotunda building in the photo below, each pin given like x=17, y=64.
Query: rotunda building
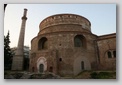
x=64, y=45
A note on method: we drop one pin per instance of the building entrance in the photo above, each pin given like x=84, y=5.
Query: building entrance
x=41, y=68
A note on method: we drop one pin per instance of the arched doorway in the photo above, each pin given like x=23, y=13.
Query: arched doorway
x=41, y=64
x=81, y=64
x=41, y=68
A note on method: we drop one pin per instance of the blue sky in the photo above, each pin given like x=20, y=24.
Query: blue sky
x=101, y=16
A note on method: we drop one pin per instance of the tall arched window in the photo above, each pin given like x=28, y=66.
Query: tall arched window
x=109, y=54
x=79, y=41
x=42, y=44
x=114, y=53
x=32, y=69
x=82, y=65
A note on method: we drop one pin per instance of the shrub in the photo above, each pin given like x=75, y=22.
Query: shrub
x=94, y=75
x=102, y=75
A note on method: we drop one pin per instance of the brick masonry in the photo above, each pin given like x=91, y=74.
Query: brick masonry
x=61, y=56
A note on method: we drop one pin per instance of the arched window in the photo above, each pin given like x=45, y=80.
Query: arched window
x=42, y=44
x=60, y=59
x=51, y=69
x=32, y=69
x=82, y=65
x=109, y=54
x=114, y=53
x=79, y=41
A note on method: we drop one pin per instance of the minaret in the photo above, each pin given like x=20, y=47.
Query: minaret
x=18, y=59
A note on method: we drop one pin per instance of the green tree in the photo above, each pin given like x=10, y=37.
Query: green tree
x=7, y=53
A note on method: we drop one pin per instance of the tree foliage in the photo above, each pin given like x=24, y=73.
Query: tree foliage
x=7, y=53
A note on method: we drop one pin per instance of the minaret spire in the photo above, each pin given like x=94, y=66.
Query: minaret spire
x=19, y=55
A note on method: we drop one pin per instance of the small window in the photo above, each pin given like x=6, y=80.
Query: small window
x=82, y=65
x=32, y=69
x=60, y=59
x=114, y=53
x=51, y=69
x=109, y=54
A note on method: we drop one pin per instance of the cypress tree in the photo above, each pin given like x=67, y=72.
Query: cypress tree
x=7, y=53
